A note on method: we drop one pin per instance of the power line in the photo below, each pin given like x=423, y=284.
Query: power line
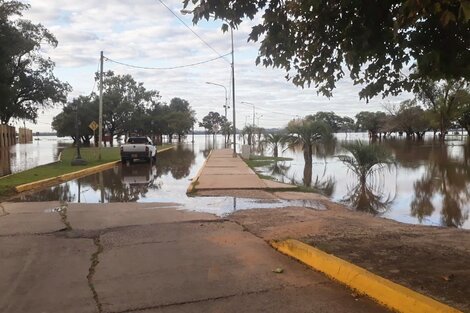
x=165, y=68
x=268, y=111
x=94, y=79
x=192, y=31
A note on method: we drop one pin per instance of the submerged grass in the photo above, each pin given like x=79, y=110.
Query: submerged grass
x=261, y=161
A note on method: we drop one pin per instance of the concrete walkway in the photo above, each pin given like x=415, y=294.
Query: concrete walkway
x=150, y=257
x=223, y=171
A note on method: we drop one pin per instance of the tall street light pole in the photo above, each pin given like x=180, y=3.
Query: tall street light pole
x=184, y=11
x=226, y=98
x=233, y=96
x=253, y=110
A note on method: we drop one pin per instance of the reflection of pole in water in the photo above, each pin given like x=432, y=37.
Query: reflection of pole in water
x=234, y=204
x=101, y=186
x=79, y=191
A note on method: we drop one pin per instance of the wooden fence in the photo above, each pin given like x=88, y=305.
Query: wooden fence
x=7, y=136
x=25, y=135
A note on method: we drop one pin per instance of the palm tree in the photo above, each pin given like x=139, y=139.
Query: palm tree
x=306, y=133
x=275, y=141
x=366, y=159
x=248, y=131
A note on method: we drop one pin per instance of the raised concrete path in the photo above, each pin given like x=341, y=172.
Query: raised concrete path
x=223, y=171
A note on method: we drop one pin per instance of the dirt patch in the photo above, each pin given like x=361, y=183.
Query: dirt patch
x=431, y=260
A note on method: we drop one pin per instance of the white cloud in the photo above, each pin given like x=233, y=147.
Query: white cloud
x=143, y=32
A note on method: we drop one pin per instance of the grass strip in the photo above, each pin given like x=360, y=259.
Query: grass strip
x=109, y=154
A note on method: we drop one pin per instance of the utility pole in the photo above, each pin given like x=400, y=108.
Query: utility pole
x=100, y=121
x=233, y=97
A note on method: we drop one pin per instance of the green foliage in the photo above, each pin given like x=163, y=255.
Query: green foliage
x=377, y=41
x=335, y=122
x=27, y=81
x=64, y=122
x=409, y=118
x=213, y=122
x=366, y=159
x=444, y=101
x=305, y=133
x=275, y=141
x=125, y=102
x=370, y=121
x=128, y=108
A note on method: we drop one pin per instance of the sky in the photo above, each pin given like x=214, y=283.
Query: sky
x=145, y=33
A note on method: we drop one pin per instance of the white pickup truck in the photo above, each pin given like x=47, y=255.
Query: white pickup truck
x=140, y=148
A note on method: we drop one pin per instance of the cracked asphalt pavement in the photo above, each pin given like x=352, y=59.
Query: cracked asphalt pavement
x=148, y=257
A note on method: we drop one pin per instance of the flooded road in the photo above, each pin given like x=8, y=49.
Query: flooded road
x=165, y=181
x=429, y=185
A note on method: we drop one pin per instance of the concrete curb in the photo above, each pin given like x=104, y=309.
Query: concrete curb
x=384, y=291
x=192, y=185
x=69, y=176
x=65, y=177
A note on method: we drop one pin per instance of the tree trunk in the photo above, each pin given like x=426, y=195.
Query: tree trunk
x=308, y=151
x=276, y=152
x=308, y=174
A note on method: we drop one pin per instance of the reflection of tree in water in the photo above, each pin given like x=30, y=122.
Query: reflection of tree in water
x=323, y=185
x=278, y=169
x=61, y=193
x=445, y=179
x=368, y=198
x=178, y=161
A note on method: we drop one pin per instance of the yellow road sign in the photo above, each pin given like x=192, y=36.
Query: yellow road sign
x=93, y=125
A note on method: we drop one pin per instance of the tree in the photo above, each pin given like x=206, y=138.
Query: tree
x=346, y=124
x=444, y=101
x=306, y=133
x=213, y=122
x=330, y=118
x=64, y=123
x=370, y=121
x=366, y=159
x=276, y=141
x=180, y=118
x=125, y=102
x=27, y=81
x=411, y=119
x=377, y=41
x=226, y=130
x=464, y=112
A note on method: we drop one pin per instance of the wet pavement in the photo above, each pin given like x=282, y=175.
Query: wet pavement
x=150, y=257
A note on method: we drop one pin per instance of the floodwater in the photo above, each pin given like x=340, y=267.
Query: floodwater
x=165, y=181
x=429, y=184
x=20, y=157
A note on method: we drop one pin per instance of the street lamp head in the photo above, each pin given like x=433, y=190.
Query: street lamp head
x=186, y=11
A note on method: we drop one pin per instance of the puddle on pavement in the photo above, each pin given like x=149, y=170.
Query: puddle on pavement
x=166, y=181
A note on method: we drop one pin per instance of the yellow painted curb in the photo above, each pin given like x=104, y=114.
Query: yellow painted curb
x=166, y=149
x=384, y=291
x=192, y=185
x=69, y=176
x=65, y=177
